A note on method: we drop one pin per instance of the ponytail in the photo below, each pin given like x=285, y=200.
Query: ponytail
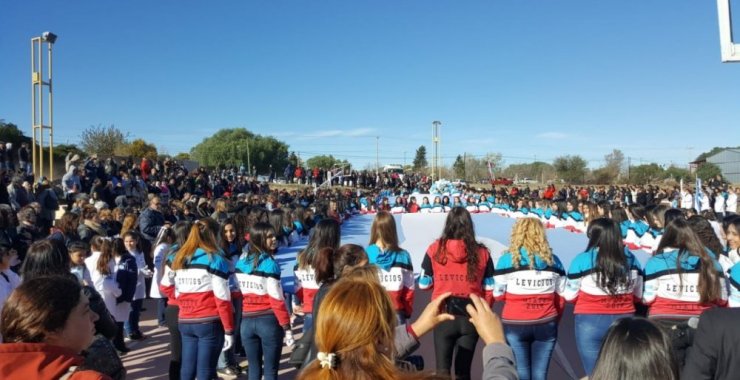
x=200, y=236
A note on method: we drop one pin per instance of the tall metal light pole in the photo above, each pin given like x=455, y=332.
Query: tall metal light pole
x=37, y=104
x=436, y=169
x=377, y=154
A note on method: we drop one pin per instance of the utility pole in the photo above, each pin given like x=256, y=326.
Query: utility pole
x=377, y=154
x=436, y=169
x=629, y=167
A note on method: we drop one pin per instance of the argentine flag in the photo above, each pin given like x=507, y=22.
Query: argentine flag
x=698, y=195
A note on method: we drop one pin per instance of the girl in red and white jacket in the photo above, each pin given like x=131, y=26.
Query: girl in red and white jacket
x=604, y=282
x=265, y=319
x=396, y=272
x=326, y=234
x=530, y=278
x=201, y=278
x=457, y=263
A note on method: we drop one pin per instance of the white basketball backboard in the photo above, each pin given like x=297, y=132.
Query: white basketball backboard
x=730, y=50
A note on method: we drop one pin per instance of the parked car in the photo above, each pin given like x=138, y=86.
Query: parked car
x=502, y=181
x=525, y=181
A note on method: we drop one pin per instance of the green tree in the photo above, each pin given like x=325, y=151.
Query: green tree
x=102, y=140
x=325, y=162
x=647, y=173
x=707, y=170
x=322, y=161
x=420, y=160
x=182, y=156
x=459, y=166
x=538, y=170
x=61, y=150
x=238, y=145
x=9, y=132
x=676, y=173
x=138, y=148
x=572, y=169
x=613, y=167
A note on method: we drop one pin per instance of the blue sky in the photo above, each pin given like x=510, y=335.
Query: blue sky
x=523, y=78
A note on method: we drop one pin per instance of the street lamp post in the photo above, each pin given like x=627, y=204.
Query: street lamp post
x=436, y=168
x=37, y=104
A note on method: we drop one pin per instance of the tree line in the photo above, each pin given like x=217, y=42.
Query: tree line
x=240, y=147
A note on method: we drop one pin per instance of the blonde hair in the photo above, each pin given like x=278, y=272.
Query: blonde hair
x=528, y=233
x=128, y=224
x=201, y=236
x=384, y=229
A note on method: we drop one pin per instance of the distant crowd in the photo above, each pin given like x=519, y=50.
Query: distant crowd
x=78, y=259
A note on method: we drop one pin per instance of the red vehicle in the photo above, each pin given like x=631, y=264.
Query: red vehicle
x=501, y=181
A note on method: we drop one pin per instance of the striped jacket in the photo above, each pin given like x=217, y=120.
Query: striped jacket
x=201, y=289
x=583, y=289
x=671, y=295
x=532, y=295
x=396, y=275
x=260, y=287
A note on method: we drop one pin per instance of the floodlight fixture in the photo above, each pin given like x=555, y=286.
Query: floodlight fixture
x=49, y=37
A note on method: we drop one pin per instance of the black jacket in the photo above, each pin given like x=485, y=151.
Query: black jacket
x=715, y=353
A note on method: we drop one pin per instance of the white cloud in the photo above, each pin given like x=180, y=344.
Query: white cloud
x=357, y=132
x=552, y=136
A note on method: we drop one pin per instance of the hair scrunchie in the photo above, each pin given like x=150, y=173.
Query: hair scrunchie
x=327, y=360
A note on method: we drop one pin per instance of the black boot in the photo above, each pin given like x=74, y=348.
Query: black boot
x=174, y=370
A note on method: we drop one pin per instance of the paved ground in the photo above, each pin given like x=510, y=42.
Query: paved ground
x=149, y=358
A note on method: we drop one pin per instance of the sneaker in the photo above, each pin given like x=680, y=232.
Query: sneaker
x=136, y=335
x=231, y=371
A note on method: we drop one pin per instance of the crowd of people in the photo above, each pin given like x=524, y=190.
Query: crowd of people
x=203, y=244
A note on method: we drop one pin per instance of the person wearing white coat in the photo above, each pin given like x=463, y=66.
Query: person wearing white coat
x=103, y=268
x=162, y=246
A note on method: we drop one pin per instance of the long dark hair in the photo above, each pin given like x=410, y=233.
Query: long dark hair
x=635, y=348
x=45, y=258
x=704, y=231
x=459, y=226
x=330, y=264
x=258, y=242
x=679, y=235
x=612, y=270
x=325, y=234
x=238, y=240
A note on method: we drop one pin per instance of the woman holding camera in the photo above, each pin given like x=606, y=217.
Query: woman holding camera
x=457, y=263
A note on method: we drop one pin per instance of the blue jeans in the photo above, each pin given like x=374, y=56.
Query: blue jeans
x=590, y=331
x=532, y=346
x=262, y=337
x=228, y=358
x=132, y=325
x=201, y=344
x=307, y=322
x=161, y=307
